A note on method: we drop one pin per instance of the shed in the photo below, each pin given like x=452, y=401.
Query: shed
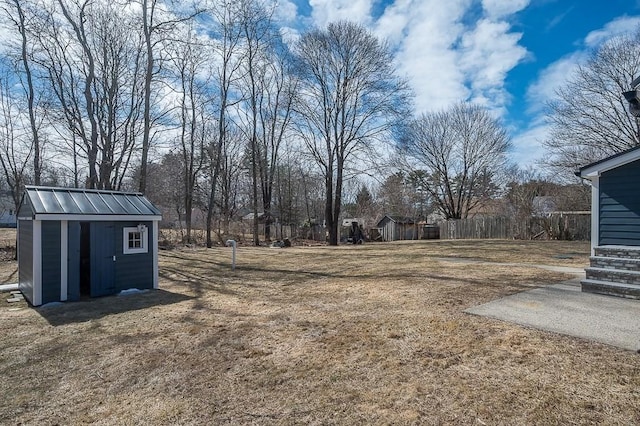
x=393, y=228
x=615, y=224
x=76, y=243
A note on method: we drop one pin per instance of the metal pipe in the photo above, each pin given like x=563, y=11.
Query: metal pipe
x=232, y=244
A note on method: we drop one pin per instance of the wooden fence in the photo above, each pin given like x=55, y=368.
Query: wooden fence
x=553, y=227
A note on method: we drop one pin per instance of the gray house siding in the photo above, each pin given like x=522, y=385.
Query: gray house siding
x=50, y=261
x=25, y=258
x=620, y=206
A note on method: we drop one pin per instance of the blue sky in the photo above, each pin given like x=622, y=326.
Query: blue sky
x=508, y=55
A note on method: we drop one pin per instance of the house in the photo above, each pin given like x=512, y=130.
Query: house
x=615, y=225
x=7, y=210
x=81, y=242
x=543, y=205
x=393, y=228
x=249, y=217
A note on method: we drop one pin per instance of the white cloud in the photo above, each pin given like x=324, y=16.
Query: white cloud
x=502, y=8
x=447, y=58
x=448, y=61
x=487, y=54
x=427, y=31
x=286, y=11
x=550, y=79
x=392, y=24
x=8, y=35
x=543, y=89
x=527, y=145
x=326, y=11
x=619, y=26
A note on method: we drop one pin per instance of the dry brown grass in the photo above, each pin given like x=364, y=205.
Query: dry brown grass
x=372, y=334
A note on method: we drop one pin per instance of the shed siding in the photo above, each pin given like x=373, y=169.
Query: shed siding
x=50, y=261
x=25, y=209
x=387, y=226
x=73, y=261
x=134, y=270
x=620, y=206
x=25, y=258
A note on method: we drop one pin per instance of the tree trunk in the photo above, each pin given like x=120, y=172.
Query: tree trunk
x=146, y=131
x=37, y=166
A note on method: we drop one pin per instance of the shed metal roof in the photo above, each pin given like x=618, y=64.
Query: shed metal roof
x=87, y=202
x=396, y=219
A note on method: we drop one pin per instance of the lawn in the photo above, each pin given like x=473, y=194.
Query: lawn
x=372, y=334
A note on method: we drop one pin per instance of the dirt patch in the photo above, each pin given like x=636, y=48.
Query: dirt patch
x=373, y=334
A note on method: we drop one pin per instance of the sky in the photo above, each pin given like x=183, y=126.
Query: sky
x=507, y=55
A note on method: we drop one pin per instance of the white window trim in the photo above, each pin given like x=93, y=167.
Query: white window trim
x=144, y=239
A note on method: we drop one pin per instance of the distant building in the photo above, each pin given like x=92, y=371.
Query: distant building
x=394, y=228
x=7, y=210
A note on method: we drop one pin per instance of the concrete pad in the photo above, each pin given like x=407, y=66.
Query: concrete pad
x=563, y=308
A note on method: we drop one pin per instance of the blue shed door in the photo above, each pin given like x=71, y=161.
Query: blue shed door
x=103, y=252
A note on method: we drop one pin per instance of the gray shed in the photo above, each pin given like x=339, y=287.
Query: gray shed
x=394, y=228
x=76, y=243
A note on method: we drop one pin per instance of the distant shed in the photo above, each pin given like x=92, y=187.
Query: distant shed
x=81, y=242
x=394, y=228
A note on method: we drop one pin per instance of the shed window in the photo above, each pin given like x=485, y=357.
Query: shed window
x=135, y=240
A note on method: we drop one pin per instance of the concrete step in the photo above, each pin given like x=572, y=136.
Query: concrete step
x=613, y=275
x=619, y=263
x=622, y=252
x=630, y=291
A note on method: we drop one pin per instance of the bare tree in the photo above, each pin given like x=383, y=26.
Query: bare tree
x=159, y=23
x=63, y=80
x=350, y=97
x=310, y=190
x=268, y=88
x=93, y=59
x=148, y=29
x=79, y=30
x=589, y=118
x=278, y=91
x=230, y=181
x=522, y=186
x=459, y=150
x=227, y=33
x=257, y=34
x=21, y=18
x=396, y=196
x=16, y=146
x=188, y=58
